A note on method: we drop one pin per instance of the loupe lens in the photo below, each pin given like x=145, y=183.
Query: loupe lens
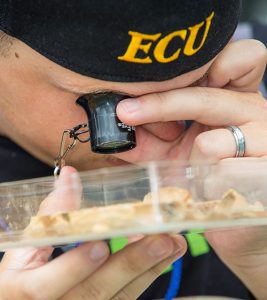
x=108, y=134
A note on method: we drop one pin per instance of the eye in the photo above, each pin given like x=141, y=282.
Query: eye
x=201, y=79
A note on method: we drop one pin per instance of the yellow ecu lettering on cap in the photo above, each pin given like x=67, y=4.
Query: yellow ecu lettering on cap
x=159, y=52
x=138, y=43
x=189, y=49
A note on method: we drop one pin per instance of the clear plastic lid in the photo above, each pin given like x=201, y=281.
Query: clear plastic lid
x=150, y=198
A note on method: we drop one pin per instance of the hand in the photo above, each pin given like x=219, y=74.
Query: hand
x=213, y=105
x=212, y=109
x=244, y=251
x=86, y=272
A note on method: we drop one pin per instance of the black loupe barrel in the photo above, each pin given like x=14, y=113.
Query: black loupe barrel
x=108, y=134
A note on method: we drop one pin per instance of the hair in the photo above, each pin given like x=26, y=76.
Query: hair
x=6, y=43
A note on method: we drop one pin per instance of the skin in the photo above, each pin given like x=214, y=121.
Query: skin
x=45, y=93
x=50, y=91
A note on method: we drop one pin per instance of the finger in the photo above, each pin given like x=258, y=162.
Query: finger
x=220, y=143
x=213, y=145
x=136, y=287
x=64, y=272
x=229, y=69
x=125, y=266
x=209, y=106
x=246, y=241
x=135, y=238
x=168, y=131
x=237, y=173
x=183, y=147
x=73, y=266
x=66, y=196
x=148, y=146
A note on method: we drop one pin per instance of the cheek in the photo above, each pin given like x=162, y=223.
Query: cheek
x=54, y=118
x=60, y=112
x=37, y=121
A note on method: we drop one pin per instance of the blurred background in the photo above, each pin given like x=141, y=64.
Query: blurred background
x=253, y=24
x=253, y=21
x=254, y=10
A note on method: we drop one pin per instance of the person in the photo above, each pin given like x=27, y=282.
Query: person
x=174, y=68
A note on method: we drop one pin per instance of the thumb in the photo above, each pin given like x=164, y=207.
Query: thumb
x=66, y=196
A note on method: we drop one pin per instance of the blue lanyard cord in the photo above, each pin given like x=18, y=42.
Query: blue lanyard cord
x=175, y=281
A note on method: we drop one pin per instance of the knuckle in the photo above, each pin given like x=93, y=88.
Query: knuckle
x=203, y=144
x=205, y=99
x=29, y=292
x=160, y=98
x=89, y=290
x=123, y=295
x=203, y=93
x=220, y=68
x=259, y=50
x=253, y=100
x=156, y=271
x=92, y=291
x=256, y=101
x=130, y=265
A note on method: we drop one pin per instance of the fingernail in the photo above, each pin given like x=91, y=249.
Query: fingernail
x=135, y=238
x=98, y=251
x=159, y=247
x=76, y=185
x=130, y=105
x=66, y=171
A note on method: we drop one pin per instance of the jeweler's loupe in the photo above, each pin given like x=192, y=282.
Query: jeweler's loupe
x=107, y=133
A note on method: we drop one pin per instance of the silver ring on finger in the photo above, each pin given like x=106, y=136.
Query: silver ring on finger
x=239, y=140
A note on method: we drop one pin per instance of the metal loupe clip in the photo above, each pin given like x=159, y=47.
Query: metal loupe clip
x=73, y=134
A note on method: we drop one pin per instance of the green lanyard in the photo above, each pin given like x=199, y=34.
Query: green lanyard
x=196, y=242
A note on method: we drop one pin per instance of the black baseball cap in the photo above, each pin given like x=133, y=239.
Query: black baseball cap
x=128, y=41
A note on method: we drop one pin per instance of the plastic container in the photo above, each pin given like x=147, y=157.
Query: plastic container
x=151, y=198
